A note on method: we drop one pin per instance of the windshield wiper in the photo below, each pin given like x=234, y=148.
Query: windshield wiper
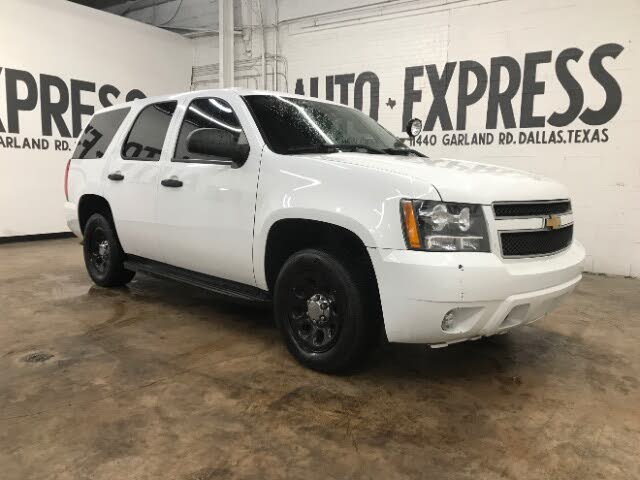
x=403, y=151
x=334, y=147
x=320, y=147
x=358, y=146
x=328, y=147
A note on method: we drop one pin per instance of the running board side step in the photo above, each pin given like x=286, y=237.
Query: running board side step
x=212, y=284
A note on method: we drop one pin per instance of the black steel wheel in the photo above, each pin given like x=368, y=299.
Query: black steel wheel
x=99, y=250
x=103, y=255
x=314, y=312
x=321, y=309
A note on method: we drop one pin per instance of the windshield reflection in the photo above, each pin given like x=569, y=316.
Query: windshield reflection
x=292, y=125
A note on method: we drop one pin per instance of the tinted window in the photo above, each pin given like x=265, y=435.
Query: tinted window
x=292, y=125
x=146, y=137
x=98, y=135
x=207, y=113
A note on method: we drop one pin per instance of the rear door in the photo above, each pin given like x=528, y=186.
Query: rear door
x=133, y=179
x=206, y=218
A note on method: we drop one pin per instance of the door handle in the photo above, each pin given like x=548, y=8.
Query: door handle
x=116, y=176
x=171, y=182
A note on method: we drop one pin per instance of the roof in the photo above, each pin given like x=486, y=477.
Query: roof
x=210, y=91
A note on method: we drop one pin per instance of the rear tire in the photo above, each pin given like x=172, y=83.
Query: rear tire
x=103, y=255
x=325, y=311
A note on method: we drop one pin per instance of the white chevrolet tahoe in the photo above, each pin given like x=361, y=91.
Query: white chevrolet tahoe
x=315, y=207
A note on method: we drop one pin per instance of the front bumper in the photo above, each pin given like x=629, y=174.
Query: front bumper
x=486, y=293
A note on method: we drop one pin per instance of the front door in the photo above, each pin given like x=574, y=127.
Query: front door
x=133, y=180
x=206, y=206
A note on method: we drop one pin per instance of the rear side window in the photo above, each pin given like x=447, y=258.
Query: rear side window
x=147, y=135
x=95, y=139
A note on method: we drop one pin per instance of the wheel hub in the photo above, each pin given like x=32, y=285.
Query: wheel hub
x=103, y=249
x=319, y=309
x=314, y=315
x=100, y=253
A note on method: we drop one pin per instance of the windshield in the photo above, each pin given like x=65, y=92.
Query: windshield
x=295, y=125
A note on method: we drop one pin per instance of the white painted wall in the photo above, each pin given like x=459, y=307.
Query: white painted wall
x=359, y=36
x=386, y=37
x=71, y=42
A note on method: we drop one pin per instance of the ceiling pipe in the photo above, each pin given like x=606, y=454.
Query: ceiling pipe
x=226, y=43
x=264, y=48
x=175, y=14
x=276, y=34
x=195, y=32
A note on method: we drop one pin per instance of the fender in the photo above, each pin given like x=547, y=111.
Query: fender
x=320, y=187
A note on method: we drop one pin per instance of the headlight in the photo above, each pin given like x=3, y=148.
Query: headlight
x=444, y=227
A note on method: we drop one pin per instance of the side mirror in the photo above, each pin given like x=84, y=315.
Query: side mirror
x=218, y=143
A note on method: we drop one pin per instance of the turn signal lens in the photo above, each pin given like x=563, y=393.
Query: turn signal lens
x=410, y=224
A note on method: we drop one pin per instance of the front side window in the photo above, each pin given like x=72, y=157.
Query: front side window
x=295, y=125
x=147, y=135
x=206, y=113
x=95, y=139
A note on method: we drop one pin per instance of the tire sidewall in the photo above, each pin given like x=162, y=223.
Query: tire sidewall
x=353, y=330
x=114, y=265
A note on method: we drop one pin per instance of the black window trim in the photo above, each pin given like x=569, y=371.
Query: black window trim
x=203, y=161
x=255, y=121
x=127, y=111
x=124, y=142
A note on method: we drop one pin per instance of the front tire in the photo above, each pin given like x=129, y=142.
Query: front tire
x=103, y=255
x=325, y=311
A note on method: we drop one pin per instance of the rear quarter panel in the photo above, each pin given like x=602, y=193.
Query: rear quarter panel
x=87, y=175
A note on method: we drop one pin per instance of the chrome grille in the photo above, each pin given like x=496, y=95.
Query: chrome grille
x=540, y=236
x=531, y=209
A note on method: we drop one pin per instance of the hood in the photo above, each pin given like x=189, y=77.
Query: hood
x=459, y=180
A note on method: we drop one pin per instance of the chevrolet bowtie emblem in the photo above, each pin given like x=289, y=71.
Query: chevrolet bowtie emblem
x=552, y=222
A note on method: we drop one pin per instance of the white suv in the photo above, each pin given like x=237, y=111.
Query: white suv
x=315, y=207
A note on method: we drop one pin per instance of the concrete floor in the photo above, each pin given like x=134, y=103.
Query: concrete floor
x=163, y=381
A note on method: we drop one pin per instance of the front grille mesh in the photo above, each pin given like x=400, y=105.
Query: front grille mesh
x=539, y=242
x=502, y=210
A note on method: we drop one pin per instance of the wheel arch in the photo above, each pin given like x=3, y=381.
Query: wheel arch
x=89, y=204
x=288, y=235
